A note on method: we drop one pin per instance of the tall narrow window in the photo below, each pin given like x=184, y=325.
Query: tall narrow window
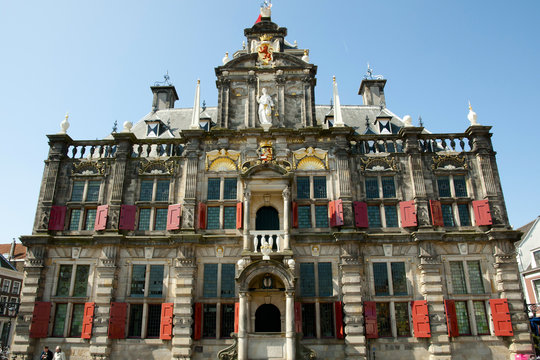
x=135, y=320
x=229, y=191
x=210, y=280
x=308, y=320
x=213, y=188
x=227, y=320
x=383, y=319
x=138, y=279
x=154, y=320
x=307, y=279
x=304, y=217
x=59, y=320
x=319, y=187
x=464, y=327
x=402, y=319
x=227, y=280
x=380, y=276
x=325, y=279
x=302, y=187
x=76, y=320
x=209, y=320
x=327, y=319
x=458, y=277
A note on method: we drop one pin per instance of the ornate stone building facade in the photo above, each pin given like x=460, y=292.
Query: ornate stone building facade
x=271, y=228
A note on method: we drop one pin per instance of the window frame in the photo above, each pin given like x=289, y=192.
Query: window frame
x=83, y=205
x=222, y=202
x=6, y=283
x=154, y=204
x=381, y=202
x=453, y=200
x=464, y=260
x=311, y=201
x=18, y=287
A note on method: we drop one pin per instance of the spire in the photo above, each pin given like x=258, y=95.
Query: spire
x=338, y=119
x=196, y=108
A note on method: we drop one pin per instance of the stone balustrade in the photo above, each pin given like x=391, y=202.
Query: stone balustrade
x=273, y=237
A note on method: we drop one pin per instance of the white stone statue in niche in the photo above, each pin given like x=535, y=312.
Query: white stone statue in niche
x=265, y=108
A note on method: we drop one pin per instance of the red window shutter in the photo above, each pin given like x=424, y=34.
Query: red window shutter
x=451, y=318
x=332, y=213
x=127, y=217
x=236, y=316
x=166, y=325
x=239, y=215
x=174, y=215
x=117, y=320
x=298, y=317
x=197, y=331
x=482, y=214
x=408, y=213
x=502, y=324
x=88, y=320
x=338, y=307
x=294, y=214
x=40, y=320
x=436, y=213
x=370, y=320
x=360, y=214
x=420, y=317
x=57, y=218
x=101, y=217
x=339, y=212
x=201, y=216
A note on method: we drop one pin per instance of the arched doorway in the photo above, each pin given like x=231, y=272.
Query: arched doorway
x=267, y=218
x=267, y=319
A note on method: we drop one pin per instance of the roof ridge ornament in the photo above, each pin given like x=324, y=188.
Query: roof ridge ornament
x=266, y=7
x=472, y=116
x=165, y=81
x=369, y=74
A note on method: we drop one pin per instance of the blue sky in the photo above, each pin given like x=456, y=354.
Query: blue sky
x=97, y=60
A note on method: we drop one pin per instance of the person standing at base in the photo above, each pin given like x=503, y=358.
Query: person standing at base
x=59, y=355
x=46, y=354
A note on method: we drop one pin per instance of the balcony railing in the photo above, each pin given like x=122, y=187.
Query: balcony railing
x=274, y=238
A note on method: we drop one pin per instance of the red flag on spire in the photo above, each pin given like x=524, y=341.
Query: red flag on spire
x=259, y=19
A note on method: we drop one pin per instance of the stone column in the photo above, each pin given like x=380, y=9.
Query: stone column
x=100, y=344
x=247, y=198
x=23, y=347
x=191, y=172
x=280, y=81
x=242, y=327
x=343, y=171
x=286, y=216
x=289, y=325
x=185, y=269
x=352, y=274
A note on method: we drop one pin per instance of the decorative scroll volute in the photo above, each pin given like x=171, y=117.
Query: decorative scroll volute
x=379, y=164
x=156, y=167
x=449, y=162
x=88, y=168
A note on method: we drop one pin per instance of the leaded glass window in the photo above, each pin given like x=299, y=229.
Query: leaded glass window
x=321, y=216
x=458, y=277
x=390, y=213
x=388, y=187
x=161, y=219
x=64, y=280
x=59, y=320
x=372, y=188
x=76, y=320
x=308, y=320
x=227, y=281
x=209, y=320
x=229, y=217
x=443, y=183
x=307, y=279
x=374, y=216
x=319, y=187
x=147, y=187
x=75, y=219
x=92, y=192
x=399, y=278
x=162, y=191
x=464, y=215
x=144, y=219
x=213, y=218
x=402, y=318
x=81, y=280
x=325, y=279
x=227, y=320
x=135, y=320
x=460, y=186
x=213, y=188
x=304, y=217
x=482, y=326
x=138, y=277
x=464, y=327
x=154, y=320
x=380, y=278
x=383, y=319
x=210, y=280
x=475, y=277
x=90, y=219
x=536, y=255
x=156, y=281
x=302, y=187
x=327, y=319
x=448, y=216
x=77, y=191
x=229, y=192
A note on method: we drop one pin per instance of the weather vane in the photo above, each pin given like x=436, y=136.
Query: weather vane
x=267, y=4
x=369, y=74
x=165, y=81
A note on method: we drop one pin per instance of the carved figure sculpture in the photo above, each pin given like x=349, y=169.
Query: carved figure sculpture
x=265, y=107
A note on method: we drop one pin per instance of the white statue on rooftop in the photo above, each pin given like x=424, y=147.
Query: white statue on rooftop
x=265, y=108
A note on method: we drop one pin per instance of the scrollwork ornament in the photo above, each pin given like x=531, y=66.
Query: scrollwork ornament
x=449, y=162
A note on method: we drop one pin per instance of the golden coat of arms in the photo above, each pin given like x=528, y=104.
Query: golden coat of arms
x=266, y=152
x=265, y=48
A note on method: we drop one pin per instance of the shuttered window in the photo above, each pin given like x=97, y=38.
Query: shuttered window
x=402, y=318
x=464, y=327
x=135, y=320
x=383, y=319
x=210, y=280
x=229, y=189
x=307, y=279
x=458, y=277
x=59, y=320
x=327, y=319
x=308, y=320
x=77, y=316
x=213, y=188
x=227, y=280
x=227, y=320
x=209, y=320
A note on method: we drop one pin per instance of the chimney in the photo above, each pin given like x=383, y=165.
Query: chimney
x=12, y=250
x=372, y=91
x=164, y=97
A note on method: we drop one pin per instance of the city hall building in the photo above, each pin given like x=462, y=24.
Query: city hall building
x=270, y=227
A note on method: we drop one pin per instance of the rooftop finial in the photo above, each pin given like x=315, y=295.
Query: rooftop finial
x=420, y=122
x=225, y=58
x=266, y=7
x=165, y=81
x=369, y=74
x=115, y=126
x=204, y=105
x=472, y=116
x=64, y=125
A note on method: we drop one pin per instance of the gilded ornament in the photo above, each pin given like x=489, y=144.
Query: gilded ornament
x=379, y=164
x=310, y=159
x=222, y=160
x=156, y=167
x=88, y=168
x=449, y=162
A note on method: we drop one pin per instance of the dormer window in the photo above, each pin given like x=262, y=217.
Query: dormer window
x=152, y=129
